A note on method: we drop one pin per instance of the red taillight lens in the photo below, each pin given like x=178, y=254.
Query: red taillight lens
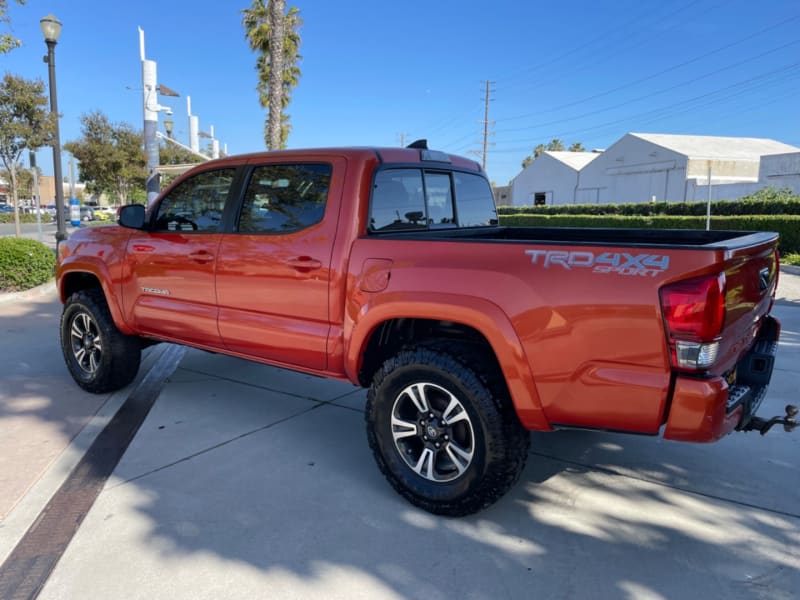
x=694, y=310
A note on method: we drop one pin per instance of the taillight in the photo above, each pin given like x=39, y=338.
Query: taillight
x=694, y=313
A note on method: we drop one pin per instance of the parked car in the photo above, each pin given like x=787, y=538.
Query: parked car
x=6, y=208
x=87, y=213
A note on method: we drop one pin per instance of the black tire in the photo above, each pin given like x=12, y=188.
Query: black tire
x=482, y=445
x=99, y=356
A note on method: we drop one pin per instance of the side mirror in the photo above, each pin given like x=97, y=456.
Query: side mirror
x=132, y=216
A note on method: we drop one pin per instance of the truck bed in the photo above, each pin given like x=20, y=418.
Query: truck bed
x=660, y=238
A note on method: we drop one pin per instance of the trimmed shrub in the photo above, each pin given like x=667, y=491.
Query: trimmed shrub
x=765, y=202
x=788, y=226
x=8, y=217
x=24, y=264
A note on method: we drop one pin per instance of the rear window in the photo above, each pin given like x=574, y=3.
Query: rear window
x=408, y=199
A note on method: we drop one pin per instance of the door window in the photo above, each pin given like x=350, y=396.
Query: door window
x=285, y=198
x=196, y=204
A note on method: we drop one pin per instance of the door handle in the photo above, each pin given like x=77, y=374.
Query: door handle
x=304, y=264
x=201, y=256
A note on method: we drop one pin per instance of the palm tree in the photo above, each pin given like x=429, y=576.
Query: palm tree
x=577, y=147
x=273, y=33
x=556, y=145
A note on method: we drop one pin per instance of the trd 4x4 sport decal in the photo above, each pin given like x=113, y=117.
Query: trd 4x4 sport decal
x=621, y=263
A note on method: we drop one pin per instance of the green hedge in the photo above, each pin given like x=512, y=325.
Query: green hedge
x=788, y=226
x=24, y=264
x=768, y=206
x=9, y=218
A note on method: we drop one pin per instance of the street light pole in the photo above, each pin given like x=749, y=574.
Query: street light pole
x=51, y=28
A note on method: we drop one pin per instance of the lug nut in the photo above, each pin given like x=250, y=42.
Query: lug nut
x=438, y=444
x=430, y=415
x=425, y=437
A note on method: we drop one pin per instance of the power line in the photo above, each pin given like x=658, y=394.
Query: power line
x=752, y=82
x=659, y=73
x=655, y=93
x=642, y=16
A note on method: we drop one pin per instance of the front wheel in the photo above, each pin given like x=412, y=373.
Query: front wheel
x=443, y=430
x=99, y=356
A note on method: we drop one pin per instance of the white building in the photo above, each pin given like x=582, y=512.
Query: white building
x=550, y=179
x=641, y=167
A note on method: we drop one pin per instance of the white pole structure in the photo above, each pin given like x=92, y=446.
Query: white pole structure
x=150, y=108
x=708, y=203
x=194, y=127
x=214, y=144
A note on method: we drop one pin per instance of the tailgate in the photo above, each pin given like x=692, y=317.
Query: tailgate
x=751, y=279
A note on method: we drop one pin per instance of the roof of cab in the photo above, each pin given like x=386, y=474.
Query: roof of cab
x=384, y=155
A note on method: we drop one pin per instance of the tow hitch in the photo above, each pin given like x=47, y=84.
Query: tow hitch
x=788, y=421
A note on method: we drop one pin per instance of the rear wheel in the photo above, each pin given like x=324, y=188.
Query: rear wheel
x=443, y=430
x=99, y=356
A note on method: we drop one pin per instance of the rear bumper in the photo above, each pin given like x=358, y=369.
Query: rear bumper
x=704, y=410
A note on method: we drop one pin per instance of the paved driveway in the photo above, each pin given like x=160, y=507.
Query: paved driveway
x=247, y=481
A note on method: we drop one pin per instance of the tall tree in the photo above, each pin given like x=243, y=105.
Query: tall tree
x=577, y=147
x=7, y=41
x=272, y=32
x=556, y=145
x=25, y=124
x=111, y=156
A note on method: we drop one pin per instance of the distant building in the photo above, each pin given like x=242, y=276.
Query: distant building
x=551, y=178
x=502, y=195
x=641, y=167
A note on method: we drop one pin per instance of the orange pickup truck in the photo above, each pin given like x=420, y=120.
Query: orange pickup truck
x=387, y=267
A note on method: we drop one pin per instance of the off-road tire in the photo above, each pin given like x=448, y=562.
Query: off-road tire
x=99, y=356
x=500, y=443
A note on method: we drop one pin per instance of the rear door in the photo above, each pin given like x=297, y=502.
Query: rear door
x=273, y=271
x=170, y=292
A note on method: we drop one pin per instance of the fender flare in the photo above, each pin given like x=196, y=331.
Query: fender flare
x=482, y=315
x=95, y=267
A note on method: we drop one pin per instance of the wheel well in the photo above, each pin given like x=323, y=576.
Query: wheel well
x=392, y=336
x=76, y=282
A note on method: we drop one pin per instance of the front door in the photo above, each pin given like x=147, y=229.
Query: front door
x=170, y=292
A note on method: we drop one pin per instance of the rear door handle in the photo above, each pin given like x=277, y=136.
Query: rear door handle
x=201, y=256
x=304, y=264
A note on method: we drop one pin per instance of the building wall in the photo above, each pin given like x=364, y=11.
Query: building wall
x=633, y=170
x=781, y=171
x=548, y=176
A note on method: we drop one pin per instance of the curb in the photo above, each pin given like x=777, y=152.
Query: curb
x=791, y=269
x=36, y=292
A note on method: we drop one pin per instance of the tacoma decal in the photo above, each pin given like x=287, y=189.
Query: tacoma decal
x=621, y=263
x=160, y=292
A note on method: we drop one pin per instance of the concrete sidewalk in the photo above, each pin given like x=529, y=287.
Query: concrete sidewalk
x=247, y=481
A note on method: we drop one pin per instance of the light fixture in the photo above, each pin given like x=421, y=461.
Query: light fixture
x=51, y=28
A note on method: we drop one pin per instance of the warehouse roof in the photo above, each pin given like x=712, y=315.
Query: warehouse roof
x=713, y=147
x=576, y=160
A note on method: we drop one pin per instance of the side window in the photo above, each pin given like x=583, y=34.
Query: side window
x=474, y=201
x=285, y=198
x=397, y=201
x=196, y=204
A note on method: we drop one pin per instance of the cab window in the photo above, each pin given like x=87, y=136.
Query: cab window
x=195, y=204
x=285, y=198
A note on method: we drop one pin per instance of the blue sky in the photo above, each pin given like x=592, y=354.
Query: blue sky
x=580, y=70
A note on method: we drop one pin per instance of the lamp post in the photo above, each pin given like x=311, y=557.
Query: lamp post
x=51, y=28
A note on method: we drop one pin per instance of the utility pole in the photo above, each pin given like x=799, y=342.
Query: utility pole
x=402, y=137
x=486, y=123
